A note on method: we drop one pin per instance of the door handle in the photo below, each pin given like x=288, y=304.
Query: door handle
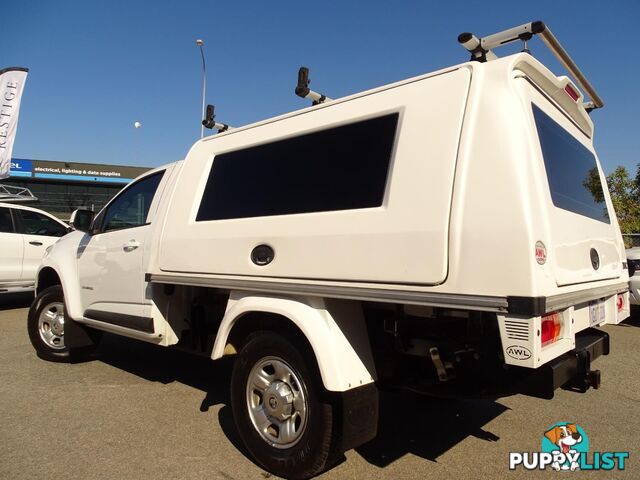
x=131, y=245
x=37, y=244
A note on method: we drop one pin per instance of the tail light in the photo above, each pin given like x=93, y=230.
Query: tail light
x=551, y=328
x=620, y=302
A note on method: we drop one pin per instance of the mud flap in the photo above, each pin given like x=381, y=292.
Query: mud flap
x=358, y=416
x=79, y=339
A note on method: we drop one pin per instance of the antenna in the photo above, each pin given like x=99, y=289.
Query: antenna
x=303, y=91
x=210, y=123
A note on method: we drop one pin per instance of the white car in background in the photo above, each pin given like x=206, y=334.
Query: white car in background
x=25, y=233
x=633, y=263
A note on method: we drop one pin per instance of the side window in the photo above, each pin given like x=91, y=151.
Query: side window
x=131, y=207
x=6, y=225
x=340, y=168
x=34, y=223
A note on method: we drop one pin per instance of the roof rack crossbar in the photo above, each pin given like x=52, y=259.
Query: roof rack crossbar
x=481, y=50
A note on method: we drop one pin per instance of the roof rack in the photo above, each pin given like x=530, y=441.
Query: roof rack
x=481, y=50
x=9, y=193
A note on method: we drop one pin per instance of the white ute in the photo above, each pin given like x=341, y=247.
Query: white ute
x=451, y=234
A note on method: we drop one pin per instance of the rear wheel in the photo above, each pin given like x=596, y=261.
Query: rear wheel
x=280, y=408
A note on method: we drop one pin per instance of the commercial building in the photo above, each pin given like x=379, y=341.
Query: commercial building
x=62, y=187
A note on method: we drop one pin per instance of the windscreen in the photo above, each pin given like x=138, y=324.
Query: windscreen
x=572, y=171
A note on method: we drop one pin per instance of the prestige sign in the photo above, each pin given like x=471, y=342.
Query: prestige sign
x=11, y=85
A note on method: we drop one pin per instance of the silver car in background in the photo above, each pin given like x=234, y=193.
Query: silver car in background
x=633, y=263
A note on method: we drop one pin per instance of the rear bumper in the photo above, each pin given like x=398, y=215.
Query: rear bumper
x=536, y=306
x=571, y=370
x=524, y=345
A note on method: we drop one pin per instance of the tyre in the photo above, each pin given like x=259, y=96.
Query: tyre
x=280, y=408
x=45, y=325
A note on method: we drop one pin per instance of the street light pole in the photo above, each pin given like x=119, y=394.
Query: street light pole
x=200, y=43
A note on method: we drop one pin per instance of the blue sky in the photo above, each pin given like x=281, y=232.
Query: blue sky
x=96, y=67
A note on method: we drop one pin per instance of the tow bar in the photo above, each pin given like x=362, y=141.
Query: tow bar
x=572, y=370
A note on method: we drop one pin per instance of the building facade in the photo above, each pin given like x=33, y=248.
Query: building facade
x=62, y=187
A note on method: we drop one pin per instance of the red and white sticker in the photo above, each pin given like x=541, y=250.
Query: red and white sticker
x=541, y=253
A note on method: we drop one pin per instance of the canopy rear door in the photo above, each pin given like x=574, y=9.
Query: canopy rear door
x=585, y=244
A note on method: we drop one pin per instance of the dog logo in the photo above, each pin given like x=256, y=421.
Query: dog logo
x=566, y=438
x=565, y=447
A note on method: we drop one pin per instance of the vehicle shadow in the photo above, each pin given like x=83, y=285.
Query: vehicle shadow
x=426, y=427
x=634, y=318
x=9, y=301
x=166, y=365
x=633, y=321
x=404, y=423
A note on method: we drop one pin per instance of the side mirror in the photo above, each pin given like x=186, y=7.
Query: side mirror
x=81, y=220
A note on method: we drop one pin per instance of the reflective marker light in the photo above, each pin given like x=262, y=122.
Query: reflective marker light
x=572, y=92
x=551, y=328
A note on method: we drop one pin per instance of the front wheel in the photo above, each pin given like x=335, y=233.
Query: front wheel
x=280, y=409
x=45, y=325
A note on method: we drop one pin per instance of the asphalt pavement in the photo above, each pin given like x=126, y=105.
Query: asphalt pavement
x=138, y=411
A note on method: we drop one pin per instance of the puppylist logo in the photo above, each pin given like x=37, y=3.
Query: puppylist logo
x=565, y=447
